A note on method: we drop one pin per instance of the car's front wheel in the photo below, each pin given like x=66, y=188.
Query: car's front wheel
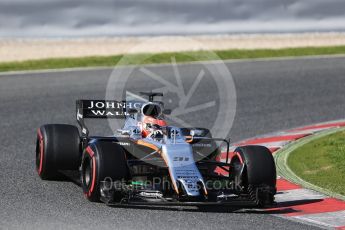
x=254, y=172
x=103, y=171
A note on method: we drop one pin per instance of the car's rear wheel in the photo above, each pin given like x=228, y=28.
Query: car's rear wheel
x=57, y=148
x=254, y=171
x=103, y=167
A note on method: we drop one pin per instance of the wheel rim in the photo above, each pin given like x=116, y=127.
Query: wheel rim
x=236, y=167
x=236, y=170
x=87, y=172
x=38, y=155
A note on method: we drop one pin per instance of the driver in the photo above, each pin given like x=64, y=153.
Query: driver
x=152, y=127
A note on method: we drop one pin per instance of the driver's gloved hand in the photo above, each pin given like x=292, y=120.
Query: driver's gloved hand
x=158, y=134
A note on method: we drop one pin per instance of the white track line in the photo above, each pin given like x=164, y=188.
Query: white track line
x=297, y=195
x=330, y=219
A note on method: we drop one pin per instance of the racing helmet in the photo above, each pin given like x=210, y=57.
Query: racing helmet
x=152, y=118
x=151, y=124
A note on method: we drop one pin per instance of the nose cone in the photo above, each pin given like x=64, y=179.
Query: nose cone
x=182, y=168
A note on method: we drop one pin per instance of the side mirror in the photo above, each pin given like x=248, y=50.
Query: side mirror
x=192, y=133
x=167, y=111
x=124, y=132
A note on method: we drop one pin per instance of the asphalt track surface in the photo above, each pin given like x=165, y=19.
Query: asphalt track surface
x=271, y=96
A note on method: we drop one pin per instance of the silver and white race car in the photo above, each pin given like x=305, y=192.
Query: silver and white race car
x=148, y=162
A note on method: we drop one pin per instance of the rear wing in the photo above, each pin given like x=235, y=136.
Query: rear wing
x=102, y=109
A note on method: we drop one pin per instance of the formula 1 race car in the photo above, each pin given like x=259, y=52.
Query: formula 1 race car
x=149, y=162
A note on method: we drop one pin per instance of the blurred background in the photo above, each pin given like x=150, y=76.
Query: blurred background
x=75, y=18
x=73, y=28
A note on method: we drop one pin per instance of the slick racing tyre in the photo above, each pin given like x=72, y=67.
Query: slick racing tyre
x=57, y=148
x=255, y=170
x=103, y=167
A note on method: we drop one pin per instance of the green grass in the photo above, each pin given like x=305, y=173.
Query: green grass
x=322, y=162
x=56, y=63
